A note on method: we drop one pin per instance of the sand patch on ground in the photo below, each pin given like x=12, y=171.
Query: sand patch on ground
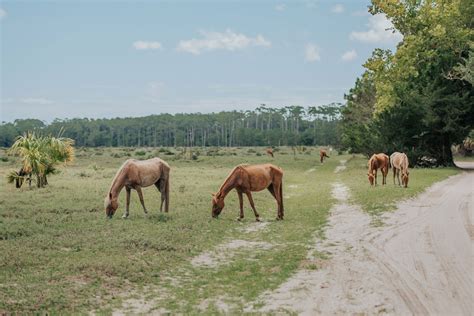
x=341, y=167
x=224, y=253
x=254, y=227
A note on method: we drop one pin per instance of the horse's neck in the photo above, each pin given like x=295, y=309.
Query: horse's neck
x=117, y=185
x=227, y=186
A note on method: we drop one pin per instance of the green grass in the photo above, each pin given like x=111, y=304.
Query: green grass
x=379, y=199
x=60, y=254
x=463, y=158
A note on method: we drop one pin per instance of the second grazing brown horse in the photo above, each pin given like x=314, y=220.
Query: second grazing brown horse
x=378, y=161
x=322, y=154
x=247, y=179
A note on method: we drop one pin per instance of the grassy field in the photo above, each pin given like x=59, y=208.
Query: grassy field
x=58, y=252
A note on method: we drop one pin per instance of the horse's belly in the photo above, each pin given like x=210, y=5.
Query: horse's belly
x=148, y=179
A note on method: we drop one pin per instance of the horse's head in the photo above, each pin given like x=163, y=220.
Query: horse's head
x=405, y=178
x=217, y=205
x=371, y=178
x=110, y=205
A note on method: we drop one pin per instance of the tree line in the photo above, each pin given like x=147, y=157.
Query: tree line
x=420, y=98
x=264, y=126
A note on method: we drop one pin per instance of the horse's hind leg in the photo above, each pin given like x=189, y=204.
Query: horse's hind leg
x=394, y=174
x=140, y=195
x=398, y=176
x=249, y=196
x=275, y=191
x=127, y=205
x=160, y=185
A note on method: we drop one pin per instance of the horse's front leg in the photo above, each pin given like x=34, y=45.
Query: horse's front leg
x=140, y=195
x=241, y=205
x=249, y=196
x=127, y=205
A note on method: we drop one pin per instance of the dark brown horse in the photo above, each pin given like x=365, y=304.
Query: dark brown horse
x=137, y=174
x=270, y=152
x=247, y=179
x=378, y=161
x=322, y=154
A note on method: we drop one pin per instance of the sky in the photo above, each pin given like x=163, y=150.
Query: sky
x=68, y=59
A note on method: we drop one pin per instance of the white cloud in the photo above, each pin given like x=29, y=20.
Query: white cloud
x=338, y=8
x=349, y=55
x=3, y=13
x=311, y=53
x=39, y=101
x=379, y=31
x=227, y=40
x=280, y=7
x=144, y=45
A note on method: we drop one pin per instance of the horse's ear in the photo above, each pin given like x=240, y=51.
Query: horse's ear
x=213, y=194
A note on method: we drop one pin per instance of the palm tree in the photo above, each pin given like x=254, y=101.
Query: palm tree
x=40, y=154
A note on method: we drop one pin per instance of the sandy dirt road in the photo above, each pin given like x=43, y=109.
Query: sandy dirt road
x=420, y=262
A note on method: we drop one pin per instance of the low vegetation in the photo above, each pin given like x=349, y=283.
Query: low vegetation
x=60, y=254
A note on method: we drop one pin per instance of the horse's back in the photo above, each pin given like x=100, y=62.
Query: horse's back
x=399, y=160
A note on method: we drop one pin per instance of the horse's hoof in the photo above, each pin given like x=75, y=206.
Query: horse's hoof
x=240, y=219
x=125, y=217
x=257, y=219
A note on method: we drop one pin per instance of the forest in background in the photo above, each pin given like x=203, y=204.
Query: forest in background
x=264, y=126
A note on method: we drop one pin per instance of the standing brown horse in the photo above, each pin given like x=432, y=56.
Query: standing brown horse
x=322, y=154
x=247, y=179
x=399, y=162
x=137, y=174
x=270, y=152
x=375, y=162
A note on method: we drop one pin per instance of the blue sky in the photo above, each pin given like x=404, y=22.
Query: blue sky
x=66, y=59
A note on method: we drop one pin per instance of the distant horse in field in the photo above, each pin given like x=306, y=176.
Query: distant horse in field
x=322, y=154
x=137, y=174
x=270, y=152
x=378, y=161
x=399, y=162
x=247, y=179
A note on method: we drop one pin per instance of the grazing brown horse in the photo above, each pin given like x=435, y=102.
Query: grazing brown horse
x=399, y=162
x=137, y=174
x=270, y=152
x=247, y=179
x=322, y=154
x=378, y=161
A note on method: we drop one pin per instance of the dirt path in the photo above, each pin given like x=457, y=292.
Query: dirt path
x=420, y=262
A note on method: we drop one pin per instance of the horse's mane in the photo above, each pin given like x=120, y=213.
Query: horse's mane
x=119, y=172
x=373, y=163
x=229, y=176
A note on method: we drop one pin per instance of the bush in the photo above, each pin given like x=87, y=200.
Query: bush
x=140, y=153
x=4, y=159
